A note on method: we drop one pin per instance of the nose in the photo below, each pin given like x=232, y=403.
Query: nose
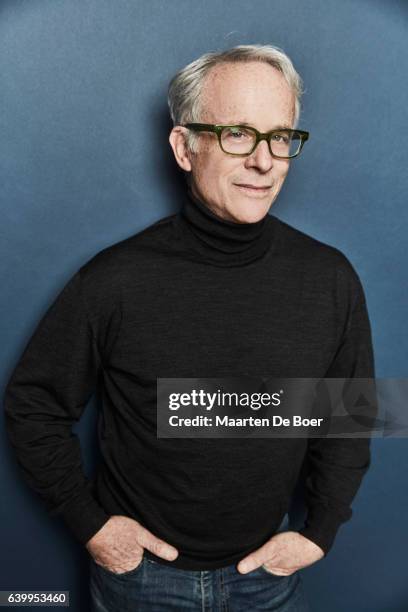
x=260, y=158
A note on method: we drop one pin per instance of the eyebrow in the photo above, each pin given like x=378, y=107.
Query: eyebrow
x=283, y=126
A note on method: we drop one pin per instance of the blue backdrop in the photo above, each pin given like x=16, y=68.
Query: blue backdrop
x=85, y=162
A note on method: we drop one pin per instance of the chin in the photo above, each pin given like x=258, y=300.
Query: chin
x=250, y=211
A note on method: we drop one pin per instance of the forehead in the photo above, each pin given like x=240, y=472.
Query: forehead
x=251, y=92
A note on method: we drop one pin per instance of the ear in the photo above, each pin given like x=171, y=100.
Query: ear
x=177, y=140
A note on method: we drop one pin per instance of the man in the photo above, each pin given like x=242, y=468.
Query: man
x=221, y=288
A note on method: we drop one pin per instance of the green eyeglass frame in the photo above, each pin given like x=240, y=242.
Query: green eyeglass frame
x=218, y=128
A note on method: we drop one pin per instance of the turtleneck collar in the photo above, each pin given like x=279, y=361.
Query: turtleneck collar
x=219, y=241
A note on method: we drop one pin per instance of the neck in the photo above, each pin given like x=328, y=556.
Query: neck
x=220, y=241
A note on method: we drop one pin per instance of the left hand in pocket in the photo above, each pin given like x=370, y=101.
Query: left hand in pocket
x=283, y=554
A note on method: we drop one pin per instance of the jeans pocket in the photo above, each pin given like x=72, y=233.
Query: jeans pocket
x=121, y=575
x=268, y=571
x=148, y=560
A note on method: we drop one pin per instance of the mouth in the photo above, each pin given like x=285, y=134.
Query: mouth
x=253, y=189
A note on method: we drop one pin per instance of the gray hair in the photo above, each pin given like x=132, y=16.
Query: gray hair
x=184, y=90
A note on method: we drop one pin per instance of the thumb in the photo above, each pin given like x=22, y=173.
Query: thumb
x=267, y=552
x=158, y=547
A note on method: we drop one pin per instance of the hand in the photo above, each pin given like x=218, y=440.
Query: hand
x=118, y=546
x=283, y=554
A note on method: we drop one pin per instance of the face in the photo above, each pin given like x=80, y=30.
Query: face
x=254, y=93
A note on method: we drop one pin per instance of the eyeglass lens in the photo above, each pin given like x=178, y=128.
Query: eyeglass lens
x=241, y=141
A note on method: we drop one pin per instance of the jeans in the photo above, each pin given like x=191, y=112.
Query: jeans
x=154, y=587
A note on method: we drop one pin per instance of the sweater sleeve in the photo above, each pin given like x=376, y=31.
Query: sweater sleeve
x=46, y=394
x=337, y=465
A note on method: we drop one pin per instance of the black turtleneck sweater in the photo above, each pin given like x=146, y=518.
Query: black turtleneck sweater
x=192, y=295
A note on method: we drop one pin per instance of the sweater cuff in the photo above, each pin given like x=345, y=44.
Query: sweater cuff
x=321, y=526
x=84, y=517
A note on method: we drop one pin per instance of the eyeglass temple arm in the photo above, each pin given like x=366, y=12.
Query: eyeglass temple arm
x=201, y=127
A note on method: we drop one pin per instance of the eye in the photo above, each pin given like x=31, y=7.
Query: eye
x=235, y=133
x=281, y=138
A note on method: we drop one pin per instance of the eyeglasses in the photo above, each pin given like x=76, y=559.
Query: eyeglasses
x=242, y=140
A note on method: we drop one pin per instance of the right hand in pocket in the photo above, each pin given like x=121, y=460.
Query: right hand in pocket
x=118, y=546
